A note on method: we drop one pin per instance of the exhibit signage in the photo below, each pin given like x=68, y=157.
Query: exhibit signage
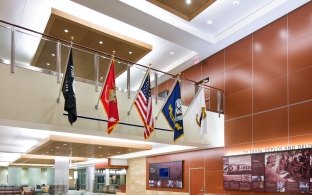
x=278, y=171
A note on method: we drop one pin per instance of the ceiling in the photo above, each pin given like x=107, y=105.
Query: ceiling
x=66, y=27
x=182, y=9
x=169, y=41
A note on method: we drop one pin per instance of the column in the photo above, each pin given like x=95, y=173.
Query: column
x=90, y=176
x=61, y=175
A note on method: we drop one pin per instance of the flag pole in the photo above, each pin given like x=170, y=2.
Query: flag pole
x=201, y=87
x=177, y=79
x=147, y=72
x=110, y=63
x=70, y=48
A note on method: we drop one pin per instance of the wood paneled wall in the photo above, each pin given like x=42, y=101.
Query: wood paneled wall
x=267, y=78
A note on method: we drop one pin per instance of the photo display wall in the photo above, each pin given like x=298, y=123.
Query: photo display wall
x=283, y=171
x=166, y=175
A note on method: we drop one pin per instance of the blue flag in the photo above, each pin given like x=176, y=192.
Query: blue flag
x=172, y=111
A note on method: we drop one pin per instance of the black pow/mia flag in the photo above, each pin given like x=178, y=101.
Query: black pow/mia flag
x=68, y=90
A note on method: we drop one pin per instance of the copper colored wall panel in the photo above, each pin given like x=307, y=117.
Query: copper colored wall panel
x=237, y=149
x=213, y=160
x=270, y=125
x=270, y=51
x=213, y=65
x=215, y=180
x=300, y=119
x=238, y=104
x=270, y=94
x=267, y=144
x=300, y=85
x=238, y=131
x=197, y=159
x=300, y=38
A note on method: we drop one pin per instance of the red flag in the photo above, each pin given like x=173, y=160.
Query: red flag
x=143, y=103
x=109, y=98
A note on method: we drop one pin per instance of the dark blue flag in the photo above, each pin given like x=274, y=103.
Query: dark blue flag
x=172, y=111
x=68, y=90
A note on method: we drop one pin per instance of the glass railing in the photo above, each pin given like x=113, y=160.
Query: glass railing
x=46, y=54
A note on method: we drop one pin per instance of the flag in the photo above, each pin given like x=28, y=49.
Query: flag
x=143, y=103
x=109, y=98
x=196, y=114
x=68, y=90
x=172, y=111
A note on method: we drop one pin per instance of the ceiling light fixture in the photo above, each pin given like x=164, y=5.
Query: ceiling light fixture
x=209, y=22
x=236, y=3
x=53, y=54
x=130, y=52
x=66, y=31
x=48, y=64
x=172, y=52
x=101, y=42
x=188, y=2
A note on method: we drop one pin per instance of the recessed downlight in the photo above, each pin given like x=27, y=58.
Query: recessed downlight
x=48, y=64
x=209, y=22
x=188, y=2
x=236, y=3
x=53, y=54
x=130, y=52
x=99, y=147
x=101, y=42
x=66, y=31
x=64, y=144
x=171, y=53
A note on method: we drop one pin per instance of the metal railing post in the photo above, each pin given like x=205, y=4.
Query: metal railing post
x=128, y=80
x=58, y=61
x=96, y=72
x=13, y=50
x=156, y=87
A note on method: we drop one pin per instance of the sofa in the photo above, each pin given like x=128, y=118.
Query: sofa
x=12, y=190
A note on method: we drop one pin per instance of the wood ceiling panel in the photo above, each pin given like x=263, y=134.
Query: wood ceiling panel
x=183, y=10
x=42, y=160
x=63, y=146
x=88, y=35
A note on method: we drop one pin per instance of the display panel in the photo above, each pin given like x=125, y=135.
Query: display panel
x=283, y=171
x=237, y=172
x=166, y=175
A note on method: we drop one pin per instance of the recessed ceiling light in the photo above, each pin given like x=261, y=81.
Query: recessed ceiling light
x=100, y=147
x=236, y=3
x=53, y=54
x=66, y=31
x=72, y=37
x=130, y=52
x=57, y=147
x=101, y=42
x=64, y=144
x=188, y=2
x=48, y=64
x=172, y=52
x=209, y=21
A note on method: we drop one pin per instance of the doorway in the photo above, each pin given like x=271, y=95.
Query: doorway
x=197, y=181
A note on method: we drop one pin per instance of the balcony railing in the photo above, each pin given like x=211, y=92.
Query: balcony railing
x=21, y=48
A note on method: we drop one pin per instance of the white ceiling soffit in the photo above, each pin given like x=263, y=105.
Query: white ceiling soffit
x=231, y=22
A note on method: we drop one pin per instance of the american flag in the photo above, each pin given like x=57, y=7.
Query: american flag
x=143, y=103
